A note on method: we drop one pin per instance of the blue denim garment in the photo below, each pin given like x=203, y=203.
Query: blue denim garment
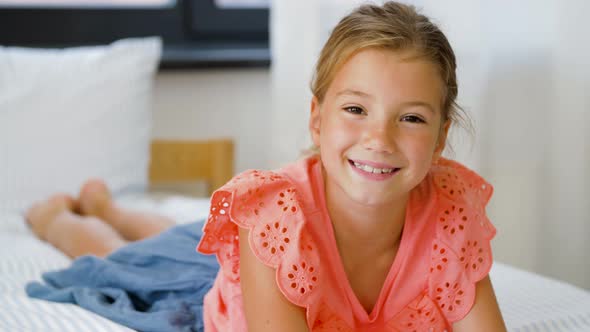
x=156, y=284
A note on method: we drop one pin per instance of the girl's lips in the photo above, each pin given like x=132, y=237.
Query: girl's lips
x=371, y=163
x=373, y=176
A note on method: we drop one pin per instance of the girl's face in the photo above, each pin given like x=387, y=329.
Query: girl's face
x=379, y=126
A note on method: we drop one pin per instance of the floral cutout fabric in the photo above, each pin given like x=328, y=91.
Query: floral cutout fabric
x=266, y=203
x=461, y=253
x=269, y=204
x=422, y=314
x=327, y=320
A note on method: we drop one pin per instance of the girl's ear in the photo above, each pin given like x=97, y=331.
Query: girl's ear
x=315, y=121
x=442, y=141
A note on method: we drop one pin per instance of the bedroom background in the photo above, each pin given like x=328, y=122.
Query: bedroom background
x=523, y=75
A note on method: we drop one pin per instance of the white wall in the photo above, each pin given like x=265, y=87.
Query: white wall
x=201, y=104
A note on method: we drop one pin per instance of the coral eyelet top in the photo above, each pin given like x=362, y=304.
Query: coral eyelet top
x=444, y=250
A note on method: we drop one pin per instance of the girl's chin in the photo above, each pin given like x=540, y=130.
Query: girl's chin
x=373, y=198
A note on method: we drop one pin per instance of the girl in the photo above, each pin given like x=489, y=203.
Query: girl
x=375, y=231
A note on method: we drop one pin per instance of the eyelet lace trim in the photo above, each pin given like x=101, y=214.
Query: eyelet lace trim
x=328, y=321
x=461, y=253
x=422, y=314
x=266, y=203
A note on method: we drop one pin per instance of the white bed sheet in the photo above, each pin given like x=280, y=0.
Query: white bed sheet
x=529, y=302
x=24, y=258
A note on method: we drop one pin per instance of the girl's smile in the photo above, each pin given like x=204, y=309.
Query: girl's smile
x=372, y=170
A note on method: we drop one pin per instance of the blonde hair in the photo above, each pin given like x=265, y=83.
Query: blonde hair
x=397, y=27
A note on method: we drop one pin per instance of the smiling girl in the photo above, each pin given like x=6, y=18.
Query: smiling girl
x=376, y=231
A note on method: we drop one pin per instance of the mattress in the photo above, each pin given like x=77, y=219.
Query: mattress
x=531, y=302
x=528, y=301
x=24, y=258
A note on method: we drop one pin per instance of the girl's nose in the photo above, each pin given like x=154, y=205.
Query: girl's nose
x=379, y=138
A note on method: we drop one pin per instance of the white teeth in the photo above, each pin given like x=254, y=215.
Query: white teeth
x=373, y=170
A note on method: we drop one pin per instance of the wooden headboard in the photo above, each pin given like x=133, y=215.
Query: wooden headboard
x=176, y=161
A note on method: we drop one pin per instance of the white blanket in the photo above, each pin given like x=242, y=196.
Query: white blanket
x=529, y=302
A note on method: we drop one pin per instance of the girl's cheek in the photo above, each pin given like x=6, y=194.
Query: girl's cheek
x=341, y=127
x=421, y=146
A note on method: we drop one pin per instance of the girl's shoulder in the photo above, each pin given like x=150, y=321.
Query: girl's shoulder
x=459, y=183
x=270, y=205
x=460, y=251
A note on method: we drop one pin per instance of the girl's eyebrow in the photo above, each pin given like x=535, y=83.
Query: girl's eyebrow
x=354, y=93
x=419, y=104
x=359, y=93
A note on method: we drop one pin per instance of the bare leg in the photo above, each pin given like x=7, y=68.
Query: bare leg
x=75, y=235
x=95, y=200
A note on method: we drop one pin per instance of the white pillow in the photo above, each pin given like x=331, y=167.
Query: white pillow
x=70, y=114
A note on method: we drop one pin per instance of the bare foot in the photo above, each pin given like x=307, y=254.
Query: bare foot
x=42, y=214
x=95, y=199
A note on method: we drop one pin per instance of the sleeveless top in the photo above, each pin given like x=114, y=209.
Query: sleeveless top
x=444, y=250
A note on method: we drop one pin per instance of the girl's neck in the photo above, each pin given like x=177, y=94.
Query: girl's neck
x=375, y=229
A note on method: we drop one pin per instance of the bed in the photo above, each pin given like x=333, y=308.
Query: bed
x=73, y=113
x=529, y=302
x=174, y=167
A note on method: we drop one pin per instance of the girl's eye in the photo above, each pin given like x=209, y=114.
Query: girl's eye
x=413, y=119
x=354, y=110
